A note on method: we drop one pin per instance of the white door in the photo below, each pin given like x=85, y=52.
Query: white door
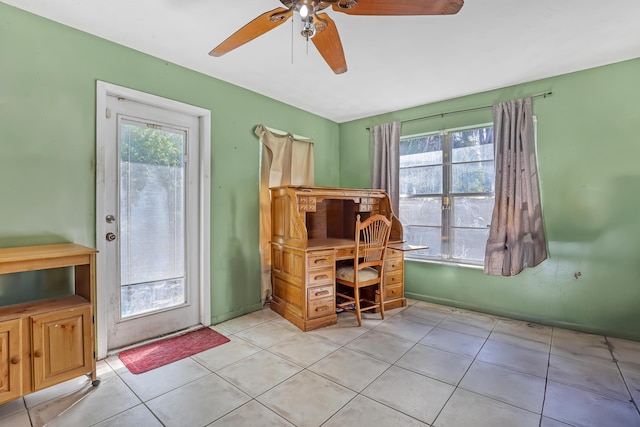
x=150, y=233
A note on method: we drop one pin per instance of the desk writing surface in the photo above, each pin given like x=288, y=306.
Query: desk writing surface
x=405, y=247
x=337, y=243
x=329, y=243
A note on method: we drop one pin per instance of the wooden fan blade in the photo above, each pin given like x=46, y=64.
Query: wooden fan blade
x=252, y=30
x=402, y=7
x=329, y=45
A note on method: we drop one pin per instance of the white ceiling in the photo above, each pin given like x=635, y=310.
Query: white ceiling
x=394, y=62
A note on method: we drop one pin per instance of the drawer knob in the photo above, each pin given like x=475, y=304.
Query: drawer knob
x=38, y=353
x=323, y=308
x=323, y=292
x=15, y=360
x=320, y=260
x=321, y=276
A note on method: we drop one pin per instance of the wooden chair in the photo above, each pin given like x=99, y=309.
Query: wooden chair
x=360, y=286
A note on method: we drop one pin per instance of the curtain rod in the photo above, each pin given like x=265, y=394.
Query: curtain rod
x=540, y=95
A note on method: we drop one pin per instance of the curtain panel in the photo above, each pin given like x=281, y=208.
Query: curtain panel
x=385, y=165
x=516, y=237
x=285, y=160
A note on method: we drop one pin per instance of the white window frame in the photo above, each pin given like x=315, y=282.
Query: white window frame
x=446, y=202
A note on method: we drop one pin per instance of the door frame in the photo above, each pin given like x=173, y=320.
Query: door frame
x=103, y=90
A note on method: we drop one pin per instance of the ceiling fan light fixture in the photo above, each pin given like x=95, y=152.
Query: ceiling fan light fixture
x=309, y=28
x=306, y=8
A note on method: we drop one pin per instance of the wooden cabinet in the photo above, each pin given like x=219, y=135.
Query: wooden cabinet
x=312, y=229
x=61, y=345
x=49, y=341
x=10, y=358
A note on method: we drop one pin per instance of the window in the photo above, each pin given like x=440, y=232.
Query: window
x=447, y=193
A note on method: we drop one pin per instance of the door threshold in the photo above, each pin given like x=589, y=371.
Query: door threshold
x=115, y=351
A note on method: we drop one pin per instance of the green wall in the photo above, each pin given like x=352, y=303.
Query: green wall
x=588, y=156
x=48, y=75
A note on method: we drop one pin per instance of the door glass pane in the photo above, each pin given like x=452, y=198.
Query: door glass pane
x=152, y=231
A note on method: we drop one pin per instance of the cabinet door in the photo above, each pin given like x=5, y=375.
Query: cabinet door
x=61, y=345
x=10, y=360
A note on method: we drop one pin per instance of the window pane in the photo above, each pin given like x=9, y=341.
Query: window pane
x=421, y=180
x=472, y=144
x=420, y=151
x=472, y=211
x=142, y=298
x=421, y=211
x=469, y=244
x=152, y=208
x=473, y=177
x=424, y=236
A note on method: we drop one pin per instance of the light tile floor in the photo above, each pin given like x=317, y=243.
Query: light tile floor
x=424, y=365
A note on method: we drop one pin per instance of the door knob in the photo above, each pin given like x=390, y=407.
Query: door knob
x=110, y=237
x=110, y=218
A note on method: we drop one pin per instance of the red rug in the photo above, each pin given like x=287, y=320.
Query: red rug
x=154, y=355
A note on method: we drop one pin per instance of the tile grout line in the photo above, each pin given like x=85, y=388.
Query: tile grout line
x=546, y=376
x=624, y=379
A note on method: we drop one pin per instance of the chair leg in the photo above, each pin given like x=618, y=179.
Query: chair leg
x=356, y=294
x=381, y=301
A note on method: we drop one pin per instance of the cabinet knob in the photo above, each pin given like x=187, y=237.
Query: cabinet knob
x=38, y=353
x=15, y=360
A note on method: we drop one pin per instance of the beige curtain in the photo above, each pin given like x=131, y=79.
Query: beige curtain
x=285, y=160
x=385, y=165
x=516, y=238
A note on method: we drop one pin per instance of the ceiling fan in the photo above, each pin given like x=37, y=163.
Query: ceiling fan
x=321, y=29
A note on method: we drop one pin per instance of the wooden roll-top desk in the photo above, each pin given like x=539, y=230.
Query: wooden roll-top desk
x=313, y=228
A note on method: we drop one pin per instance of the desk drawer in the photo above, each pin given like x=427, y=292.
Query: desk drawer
x=320, y=259
x=393, y=291
x=320, y=292
x=319, y=277
x=392, y=265
x=345, y=253
x=321, y=307
x=394, y=254
x=393, y=278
